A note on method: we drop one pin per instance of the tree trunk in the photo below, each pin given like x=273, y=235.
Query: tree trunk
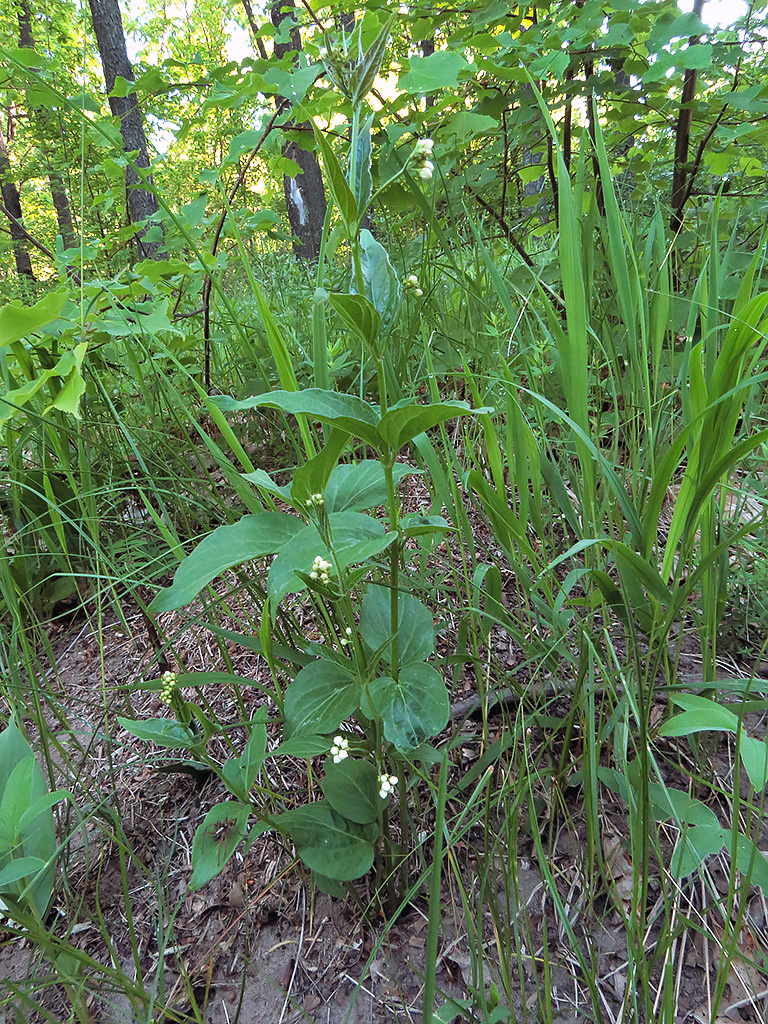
x=44, y=126
x=304, y=194
x=12, y=210
x=110, y=38
x=683, y=137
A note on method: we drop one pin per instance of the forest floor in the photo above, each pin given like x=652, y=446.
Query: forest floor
x=258, y=945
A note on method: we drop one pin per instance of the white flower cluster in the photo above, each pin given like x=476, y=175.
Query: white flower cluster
x=411, y=283
x=320, y=570
x=169, y=681
x=387, y=784
x=346, y=639
x=422, y=152
x=340, y=749
x=315, y=501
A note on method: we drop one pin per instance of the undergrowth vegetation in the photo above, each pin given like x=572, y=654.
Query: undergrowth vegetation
x=493, y=536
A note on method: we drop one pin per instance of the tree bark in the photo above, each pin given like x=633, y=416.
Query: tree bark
x=683, y=137
x=12, y=206
x=110, y=38
x=304, y=194
x=44, y=126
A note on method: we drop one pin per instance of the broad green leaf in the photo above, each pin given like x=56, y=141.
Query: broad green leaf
x=382, y=285
x=328, y=843
x=337, y=184
x=413, y=524
x=416, y=631
x=352, y=789
x=253, y=536
x=701, y=715
x=240, y=773
x=693, y=846
x=402, y=423
x=437, y=72
x=346, y=412
x=319, y=699
x=364, y=75
x=306, y=745
x=359, y=316
x=165, y=732
x=684, y=809
x=361, y=485
x=363, y=184
x=35, y=838
x=754, y=754
x=216, y=839
x=751, y=862
x=355, y=536
x=413, y=709
x=18, y=322
x=18, y=869
x=312, y=477
x=260, y=478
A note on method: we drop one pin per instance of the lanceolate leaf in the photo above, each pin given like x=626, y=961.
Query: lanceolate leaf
x=401, y=424
x=346, y=412
x=216, y=839
x=252, y=537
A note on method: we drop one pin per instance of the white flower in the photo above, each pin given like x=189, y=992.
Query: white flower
x=169, y=681
x=418, y=292
x=387, y=785
x=412, y=280
x=320, y=570
x=426, y=170
x=339, y=749
x=346, y=638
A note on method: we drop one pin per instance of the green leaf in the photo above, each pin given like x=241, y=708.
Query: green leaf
x=306, y=745
x=364, y=75
x=337, y=184
x=328, y=843
x=165, y=732
x=352, y=789
x=360, y=485
x=216, y=839
x=355, y=538
x=416, y=631
x=751, y=862
x=684, y=809
x=240, y=773
x=380, y=281
x=254, y=536
x=437, y=72
x=319, y=699
x=362, y=186
x=701, y=715
x=693, y=846
x=36, y=837
x=17, y=870
x=346, y=412
x=413, y=524
x=413, y=709
x=359, y=316
x=18, y=322
x=402, y=423
x=312, y=477
x=754, y=754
